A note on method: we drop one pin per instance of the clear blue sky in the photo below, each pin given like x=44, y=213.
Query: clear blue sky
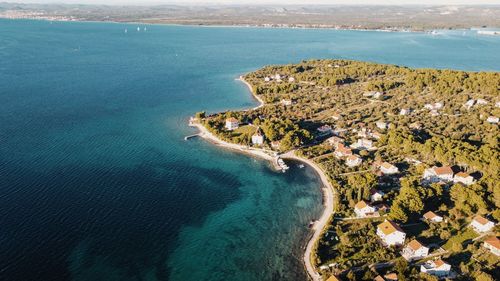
x=372, y=2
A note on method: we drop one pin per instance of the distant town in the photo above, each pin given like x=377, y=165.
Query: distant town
x=384, y=18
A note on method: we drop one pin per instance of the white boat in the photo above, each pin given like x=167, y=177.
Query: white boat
x=301, y=166
x=138, y=29
x=126, y=30
x=145, y=29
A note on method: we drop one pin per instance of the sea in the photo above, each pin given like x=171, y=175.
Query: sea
x=97, y=181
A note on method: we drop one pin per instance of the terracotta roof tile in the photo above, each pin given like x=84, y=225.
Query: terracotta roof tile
x=493, y=241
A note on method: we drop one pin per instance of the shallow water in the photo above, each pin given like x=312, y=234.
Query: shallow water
x=96, y=181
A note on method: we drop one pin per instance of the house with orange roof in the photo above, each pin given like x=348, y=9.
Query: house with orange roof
x=363, y=210
x=335, y=141
x=390, y=233
x=232, y=123
x=463, y=178
x=492, y=243
x=414, y=251
x=342, y=151
x=438, y=174
x=333, y=278
x=353, y=161
x=437, y=268
x=481, y=224
x=391, y=277
x=388, y=169
x=432, y=217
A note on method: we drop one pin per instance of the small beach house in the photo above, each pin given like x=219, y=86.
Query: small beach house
x=388, y=169
x=258, y=138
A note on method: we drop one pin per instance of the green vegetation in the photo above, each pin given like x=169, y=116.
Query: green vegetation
x=437, y=128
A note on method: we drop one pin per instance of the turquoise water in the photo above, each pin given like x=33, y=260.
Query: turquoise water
x=96, y=181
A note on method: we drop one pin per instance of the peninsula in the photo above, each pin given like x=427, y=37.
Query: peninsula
x=409, y=160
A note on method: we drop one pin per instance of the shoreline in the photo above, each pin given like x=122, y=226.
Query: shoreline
x=328, y=191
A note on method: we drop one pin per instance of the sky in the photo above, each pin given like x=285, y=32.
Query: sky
x=309, y=2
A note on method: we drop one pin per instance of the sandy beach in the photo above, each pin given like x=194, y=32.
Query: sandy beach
x=328, y=190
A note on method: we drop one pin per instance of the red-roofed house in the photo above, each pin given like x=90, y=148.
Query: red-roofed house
x=414, y=251
x=432, y=217
x=438, y=174
x=481, y=224
x=390, y=233
x=363, y=209
x=232, y=123
x=493, y=244
x=463, y=178
x=437, y=268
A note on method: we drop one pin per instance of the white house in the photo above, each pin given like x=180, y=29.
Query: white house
x=463, y=178
x=382, y=125
x=353, y=161
x=438, y=174
x=362, y=209
x=481, y=224
x=388, y=169
x=363, y=144
x=414, y=251
x=286, y=102
x=258, y=138
x=481, y=102
x=267, y=79
x=469, y=104
x=291, y=79
x=275, y=144
x=437, y=268
x=493, y=244
x=405, y=111
x=432, y=217
x=376, y=195
x=390, y=233
x=492, y=120
x=232, y=123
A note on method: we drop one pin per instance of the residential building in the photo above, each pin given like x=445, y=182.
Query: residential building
x=342, y=151
x=481, y=224
x=291, y=79
x=267, y=79
x=492, y=120
x=363, y=144
x=493, y=244
x=382, y=125
x=432, y=217
x=391, y=277
x=469, y=104
x=376, y=195
x=438, y=174
x=275, y=144
x=336, y=116
x=258, y=138
x=333, y=278
x=481, y=102
x=391, y=234
x=376, y=135
x=353, y=161
x=463, y=178
x=405, y=111
x=363, y=209
x=388, y=169
x=334, y=141
x=437, y=268
x=232, y=123
x=286, y=102
x=414, y=251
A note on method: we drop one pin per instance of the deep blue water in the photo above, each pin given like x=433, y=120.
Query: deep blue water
x=96, y=181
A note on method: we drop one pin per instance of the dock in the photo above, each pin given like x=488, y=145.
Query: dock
x=191, y=136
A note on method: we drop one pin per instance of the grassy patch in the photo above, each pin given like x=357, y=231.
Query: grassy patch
x=461, y=237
